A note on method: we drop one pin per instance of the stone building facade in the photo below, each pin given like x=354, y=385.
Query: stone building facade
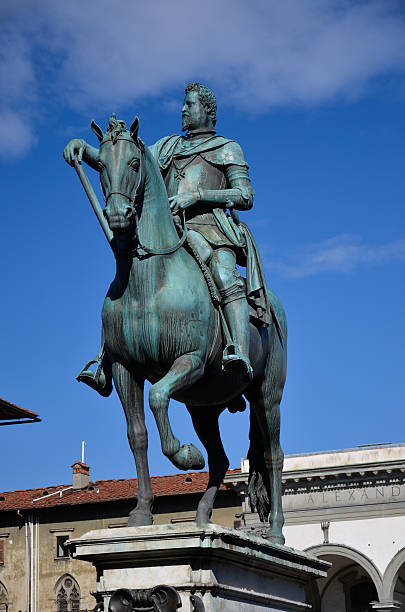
x=36, y=572
x=347, y=507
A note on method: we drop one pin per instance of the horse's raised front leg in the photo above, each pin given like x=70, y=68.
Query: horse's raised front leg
x=130, y=393
x=184, y=372
x=205, y=421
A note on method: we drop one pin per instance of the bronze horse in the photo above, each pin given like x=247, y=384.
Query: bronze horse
x=160, y=324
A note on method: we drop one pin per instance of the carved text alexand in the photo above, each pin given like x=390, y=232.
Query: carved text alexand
x=344, y=497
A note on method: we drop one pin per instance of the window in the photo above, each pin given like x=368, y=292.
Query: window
x=62, y=600
x=67, y=594
x=60, y=546
x=75, y=599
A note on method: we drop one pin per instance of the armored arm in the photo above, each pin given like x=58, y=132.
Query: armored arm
x=238, y=192
x=90, y=155
x=84, y=151
x=241, y=192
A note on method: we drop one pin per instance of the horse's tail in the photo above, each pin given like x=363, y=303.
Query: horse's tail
x=258, y=484
x=270, y=392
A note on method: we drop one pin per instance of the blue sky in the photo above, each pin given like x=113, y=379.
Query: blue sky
x=314, y=92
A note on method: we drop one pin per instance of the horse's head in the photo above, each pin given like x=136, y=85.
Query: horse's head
x=120, y=167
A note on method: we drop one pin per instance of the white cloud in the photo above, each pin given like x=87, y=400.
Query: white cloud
x=256, y=55
x=18, y=137
x=343, y=254
x=17, y=94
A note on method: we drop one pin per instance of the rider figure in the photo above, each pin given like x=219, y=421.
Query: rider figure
x=205, y=174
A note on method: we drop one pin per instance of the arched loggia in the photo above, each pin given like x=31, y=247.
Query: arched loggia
x=395, y=571
x=353, y=577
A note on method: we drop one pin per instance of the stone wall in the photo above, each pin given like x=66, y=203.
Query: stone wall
x=74, y=521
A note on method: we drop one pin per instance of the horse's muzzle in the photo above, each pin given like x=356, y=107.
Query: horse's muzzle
x=119, y=219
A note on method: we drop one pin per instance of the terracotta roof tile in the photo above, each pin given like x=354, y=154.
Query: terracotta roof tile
x=104, y=491
x=10, y=411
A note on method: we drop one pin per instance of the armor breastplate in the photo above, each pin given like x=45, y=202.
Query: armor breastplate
x=189, y=171
x=186, y=174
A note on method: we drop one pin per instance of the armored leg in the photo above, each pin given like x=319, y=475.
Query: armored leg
x=235, y=308
x=202, y=246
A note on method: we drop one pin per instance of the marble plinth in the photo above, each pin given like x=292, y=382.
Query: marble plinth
x=226, y=569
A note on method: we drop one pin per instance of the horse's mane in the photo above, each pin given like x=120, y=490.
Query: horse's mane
x=155, y=176
x=115, y=128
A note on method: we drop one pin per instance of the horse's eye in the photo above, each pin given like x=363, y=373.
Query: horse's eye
x=134, y=163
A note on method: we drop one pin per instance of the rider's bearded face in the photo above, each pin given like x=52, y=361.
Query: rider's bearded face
x=194, y=115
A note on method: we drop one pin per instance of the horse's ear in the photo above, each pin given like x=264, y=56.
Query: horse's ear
x=134, y=129
x=97, y=130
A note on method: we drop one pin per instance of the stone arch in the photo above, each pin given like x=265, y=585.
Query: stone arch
x=67, y=593
x=391, y=574
x=355, y=556
x=312, y=595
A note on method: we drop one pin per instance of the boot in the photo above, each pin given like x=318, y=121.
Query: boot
x=236, y=354
x=101, y=379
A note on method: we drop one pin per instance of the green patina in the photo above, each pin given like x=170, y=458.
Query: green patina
x=178, y=313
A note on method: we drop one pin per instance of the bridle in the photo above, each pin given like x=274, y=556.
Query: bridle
x=141, y=250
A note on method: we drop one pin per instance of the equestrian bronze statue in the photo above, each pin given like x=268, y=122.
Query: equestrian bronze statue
x=178, y=312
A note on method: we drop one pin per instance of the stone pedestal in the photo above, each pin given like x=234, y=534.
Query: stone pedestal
x=215, y=569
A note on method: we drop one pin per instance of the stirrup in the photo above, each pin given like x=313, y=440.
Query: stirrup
x=232, y=357
x=97, y=380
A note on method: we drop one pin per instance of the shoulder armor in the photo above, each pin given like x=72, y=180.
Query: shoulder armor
x=233, y=154
x=227, y=154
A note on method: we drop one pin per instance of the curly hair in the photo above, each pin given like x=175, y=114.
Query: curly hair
x=207, y=99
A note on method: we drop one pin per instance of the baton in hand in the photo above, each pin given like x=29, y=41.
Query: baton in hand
x=93, y=199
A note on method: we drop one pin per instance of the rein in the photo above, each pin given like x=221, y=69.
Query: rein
x=140, y=249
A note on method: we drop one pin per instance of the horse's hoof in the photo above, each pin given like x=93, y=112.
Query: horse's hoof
x=188, y=457
x=139, y=519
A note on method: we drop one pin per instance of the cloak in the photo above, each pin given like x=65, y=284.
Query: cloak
x=222, y=151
